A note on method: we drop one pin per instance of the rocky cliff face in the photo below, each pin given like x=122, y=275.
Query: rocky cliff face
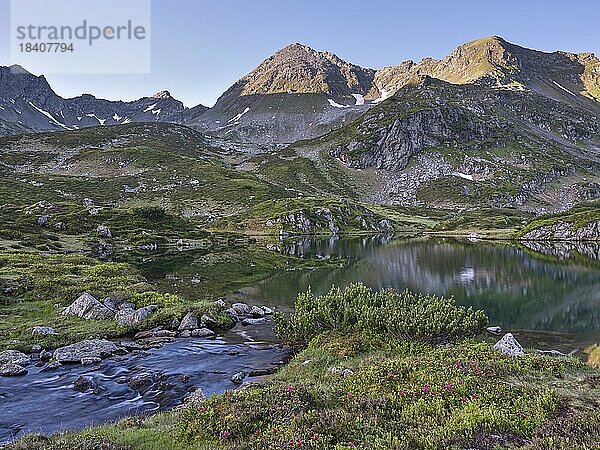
x=564, y=231
x=388, y=138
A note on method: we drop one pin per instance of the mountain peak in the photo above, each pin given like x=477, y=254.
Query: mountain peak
x=162, y=95
x=16, y=69
x=298, y=68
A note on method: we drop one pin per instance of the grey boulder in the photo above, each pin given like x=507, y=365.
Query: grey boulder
x=202, y=332
x=189, y=322
x=509, y=346
x=93, y=348
x=88, y=308
x=14, y=357
x=44, y=331
x=11, y=370
x=131, y=317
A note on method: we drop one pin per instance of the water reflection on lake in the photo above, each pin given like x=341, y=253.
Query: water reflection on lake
x=518, y=288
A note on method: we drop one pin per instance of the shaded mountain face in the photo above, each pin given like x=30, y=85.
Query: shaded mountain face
x=28, y=103
x=296, y=93
x=470, y=145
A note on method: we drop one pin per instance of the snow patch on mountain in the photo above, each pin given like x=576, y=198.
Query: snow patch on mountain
x=335, y=104
x=101, y=121
x=239, y=116
x=564, y=88
x=360, y=100
x=49, y=116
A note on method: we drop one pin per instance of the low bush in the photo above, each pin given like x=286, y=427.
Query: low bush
x=401, y=315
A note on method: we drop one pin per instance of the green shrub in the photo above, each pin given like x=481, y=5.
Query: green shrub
x=156, y=298
x=404, y=315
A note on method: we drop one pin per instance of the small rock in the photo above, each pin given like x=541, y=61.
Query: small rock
x=124, y=317
x=43, y=220
x=220, y=304
x=130, y=345
x=143, y=313
x=189, y=322
x=45, y=355
x=103, y=231
x=35, y=349
x=51, y=366
x=44, y=331
x=232, y=313
x=247, y=322
x=130, y=317
x=241, y=309
x=142, y=381
x=306, y=363
x=92, y=348
x=83, y=384
x=341, y=371
x=165, y=333
x=494, y=330
x=239, y=377
x=185, y=334
x=257, y=311
x=11, y=370
x=144, y=334
x=509, y=346
x=175, y=323
x=268, y=311
x=88, y=360
x=202, y=332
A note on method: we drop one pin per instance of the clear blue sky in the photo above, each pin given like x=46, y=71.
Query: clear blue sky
x=200, y=47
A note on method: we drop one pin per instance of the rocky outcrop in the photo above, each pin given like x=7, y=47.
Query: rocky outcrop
x=564, y=231
x=88, y=308
x=93, y=348
x=331, y=220
x=389, y=141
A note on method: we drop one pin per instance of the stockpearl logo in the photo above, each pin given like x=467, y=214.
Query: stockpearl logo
x=81, y=36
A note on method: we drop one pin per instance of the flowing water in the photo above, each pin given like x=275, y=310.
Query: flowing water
x=47, y=401
x=549, y=298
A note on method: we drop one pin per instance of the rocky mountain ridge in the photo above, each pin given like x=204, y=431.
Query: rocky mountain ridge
x=28, y=104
